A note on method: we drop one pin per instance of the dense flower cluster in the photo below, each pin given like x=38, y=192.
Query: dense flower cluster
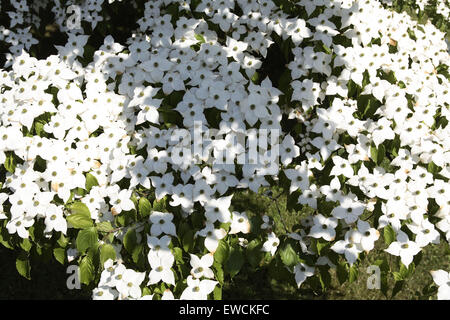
x=91, y=162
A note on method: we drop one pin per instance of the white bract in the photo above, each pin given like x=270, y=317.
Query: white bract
x=442, y=279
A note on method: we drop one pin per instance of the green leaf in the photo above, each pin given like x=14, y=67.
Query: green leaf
x=39, y=164
x=146, y=292
x=197, y=219
x=86, y=239
x=39, y=127
x=406, y=272
x=397, y=288
x=145, y=207
x=395, y=145
x=342, y=273
x=288, y=255
x=63, y=241
x=10, y=163
x=433, y=168
x=134, y=199
x=130, y=240
x=87, y=270
x=4, y=242
x=137, y=253
x=235, y=262
x=200, y=38
x=374, y=153
x=325, y=207
x=278, y=271
x=389, y=234
x=104, y=226
x=80, y=217
x=320, y=245
x=366, y=79
x=397, y=276
x=94, y=253
x=352, y=274
x=255, y=77
x=125, y=218
x=26, y=245
x=324, y=277
x=218, y=272
x=327, y=50
x=60, y=255
x=222, y=252
x=23, y=266
x=217, y=293
x=107, y=252
x=159, y=205
x=254, y=253
x=188, y=240
x=91, y=181
x=178, y=254
x=285, y=80
x=79, y=208
x=292, y=201
x=352, y=89
x=381, y=153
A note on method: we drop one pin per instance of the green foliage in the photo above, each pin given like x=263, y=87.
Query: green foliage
x=23, y=265
x=389, y=234
x=145, y=207
x=86, y=238
x=80, y=216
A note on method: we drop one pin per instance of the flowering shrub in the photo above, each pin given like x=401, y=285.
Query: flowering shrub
x=99, y=169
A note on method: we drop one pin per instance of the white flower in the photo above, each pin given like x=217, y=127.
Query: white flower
x=197, y=289
x=162, y=185
x=271, y=244
x=55, y=220
x=121, y=201
x=167, y=295
x=289, y=150
x=235, y=48
x=3, y=197
x=442, y=279
x=350, y=246
x=425, y=233
x=162, y=223
x=161, y=269
x=18, y=225
x=158, y=247
x=299, y=177
x=323, y=228
x=302, y=271
x=239, y=223
x=218, y=209
x=128, y=286
x=404, y=248
x=104, y=293
x=201, y=266
x=267, y=223
x=368, y=235
x=212, y=236
x=348, y=209
x=382, y=132
x=341, y=166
